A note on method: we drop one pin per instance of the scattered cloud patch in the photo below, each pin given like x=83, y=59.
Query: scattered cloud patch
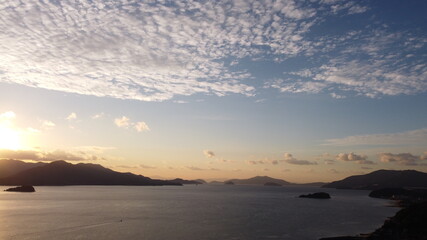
x=156, y=50
x=122, y=122
x=72, y=116
x=98, y=116
x=414, y=137
x=141, y=127
x=202, y=169
x=125, y=122
x=46, y=124
x=291, y=160
x=208, y=153
x=346, y=157
x=146, y=166
x=406, y=159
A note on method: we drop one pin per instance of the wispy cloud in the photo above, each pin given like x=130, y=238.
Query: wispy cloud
x=72, y=116
x=291, y=160
x=202, y=169
x=147, y=166
x=407, y=159
x=208, y=153
x=414, y=137
x=98, y=116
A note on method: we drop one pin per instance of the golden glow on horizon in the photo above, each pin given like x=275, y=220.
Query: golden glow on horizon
x=9, y=138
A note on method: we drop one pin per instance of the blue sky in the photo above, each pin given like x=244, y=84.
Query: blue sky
x=301, y=90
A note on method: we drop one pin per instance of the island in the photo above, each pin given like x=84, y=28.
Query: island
x=317, y=195
x=25, y=188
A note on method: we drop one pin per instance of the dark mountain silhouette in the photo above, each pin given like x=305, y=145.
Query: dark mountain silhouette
x=60, y=173
x=382, y=179
x=183, y=181
x=9, y=167
x=259, y=180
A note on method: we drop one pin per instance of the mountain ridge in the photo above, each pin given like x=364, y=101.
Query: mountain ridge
x=62, y=173
x=382, y=179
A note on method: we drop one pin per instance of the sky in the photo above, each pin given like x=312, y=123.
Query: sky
x=305, y=91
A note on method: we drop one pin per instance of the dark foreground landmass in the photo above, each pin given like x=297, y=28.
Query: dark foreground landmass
x=382, y=179
x=61, y=173
x=410, y=223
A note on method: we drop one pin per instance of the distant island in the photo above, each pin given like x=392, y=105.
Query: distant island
x=184, y=182
x=382, y=179
x=317, y=195
x=259, y=180
x=25, y=188
x=60, y=173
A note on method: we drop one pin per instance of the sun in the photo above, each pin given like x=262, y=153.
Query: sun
x=9, y=138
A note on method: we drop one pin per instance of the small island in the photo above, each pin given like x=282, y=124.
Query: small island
x=318, y=195
x=25, y=188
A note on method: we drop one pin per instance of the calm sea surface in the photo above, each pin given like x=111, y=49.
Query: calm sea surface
x=188, y=212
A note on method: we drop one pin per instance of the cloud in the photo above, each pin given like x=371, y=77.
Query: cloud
x=49, y=155
x=125, y=122
x=48, y=124
x=208, y=153
x=401, y=158
x=122, y=122
x=332, y=170
x=368, y=162
x=202, y=169
x=291, y=160
x=346, y=157
x=146, y=166
x=98, y=116
x=393, y=60
x=7, y=117
x=155, y=50
x=72, y=116
x=329, y=161
x=141, y=127
x=414, y=137
x=126, y=166
x=263, y=161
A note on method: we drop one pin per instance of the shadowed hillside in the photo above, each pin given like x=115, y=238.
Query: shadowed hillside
x=62, y=173
x=382, y=179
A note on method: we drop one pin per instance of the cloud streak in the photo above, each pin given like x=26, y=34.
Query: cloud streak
x=414, y=137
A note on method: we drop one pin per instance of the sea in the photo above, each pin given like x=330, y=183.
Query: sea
x=187, y=212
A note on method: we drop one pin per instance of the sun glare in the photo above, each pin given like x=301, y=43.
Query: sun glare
x=9, y=138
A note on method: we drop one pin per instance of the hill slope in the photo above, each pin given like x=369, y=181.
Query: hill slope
x=10, y=167
x=259, y=180
x=382, y=179
x=62, y=173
